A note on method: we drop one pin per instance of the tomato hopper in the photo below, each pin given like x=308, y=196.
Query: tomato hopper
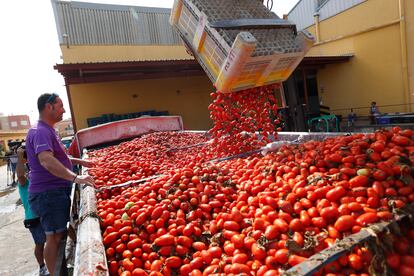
x=240, y=44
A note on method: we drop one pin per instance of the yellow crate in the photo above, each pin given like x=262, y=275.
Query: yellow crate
x=239, y=57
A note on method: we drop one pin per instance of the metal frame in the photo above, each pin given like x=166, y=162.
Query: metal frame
x=321, y=259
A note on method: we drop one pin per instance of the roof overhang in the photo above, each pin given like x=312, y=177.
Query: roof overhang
x=316, y=62
x=76, y=73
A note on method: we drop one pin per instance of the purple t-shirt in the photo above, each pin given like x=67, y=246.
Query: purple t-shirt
x=41, y=137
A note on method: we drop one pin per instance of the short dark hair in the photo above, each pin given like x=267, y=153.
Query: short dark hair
x=45, y=99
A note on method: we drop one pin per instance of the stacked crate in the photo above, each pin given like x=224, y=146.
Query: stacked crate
x=239, y=43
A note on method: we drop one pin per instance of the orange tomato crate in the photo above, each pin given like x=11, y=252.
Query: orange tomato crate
x=239, y=43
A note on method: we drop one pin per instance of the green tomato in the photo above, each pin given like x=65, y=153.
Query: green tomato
x=365, y=172
x=125, y=216
x=129, y=205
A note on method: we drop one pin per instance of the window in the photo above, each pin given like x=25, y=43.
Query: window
x=23, y=123
x=13, y=124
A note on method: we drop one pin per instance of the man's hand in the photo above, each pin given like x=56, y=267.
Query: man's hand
x=20, y=168
x=83, y=163
x=85, y=179
x=20, y=154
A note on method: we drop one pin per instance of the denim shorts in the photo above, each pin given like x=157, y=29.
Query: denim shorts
x=38, y=234
x=53, y=208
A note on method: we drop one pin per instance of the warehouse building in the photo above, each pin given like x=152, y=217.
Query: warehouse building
x=379, y=34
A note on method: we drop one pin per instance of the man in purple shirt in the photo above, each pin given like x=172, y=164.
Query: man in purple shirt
x=51, y=175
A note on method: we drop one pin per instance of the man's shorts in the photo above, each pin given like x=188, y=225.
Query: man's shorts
x=53, y=208
x=38, y=234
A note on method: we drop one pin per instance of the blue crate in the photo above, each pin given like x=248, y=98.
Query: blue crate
x=383, y=120
x=93, y=121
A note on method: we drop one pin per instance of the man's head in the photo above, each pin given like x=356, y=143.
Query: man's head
x=50, y=107
x=373, y=103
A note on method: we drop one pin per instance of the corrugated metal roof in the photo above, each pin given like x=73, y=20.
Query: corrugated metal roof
x=329, y=56
x=302, y=14
x=132, y=61
x=80, y=23
x=333, y=7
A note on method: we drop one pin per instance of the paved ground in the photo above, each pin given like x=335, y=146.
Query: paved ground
x=16, y=244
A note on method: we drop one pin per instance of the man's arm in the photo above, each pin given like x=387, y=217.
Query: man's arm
x=83, y=163
x=20, y=168
x=51, y=164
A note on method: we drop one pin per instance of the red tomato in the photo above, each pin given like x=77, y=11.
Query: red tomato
x=110, y=238
x=282, y=256
x=231, y=225
x=258, y=252
x=408, y=260
x=359, y=181
x=401, y=140
x=139, y=272
x=240, y=258
x=329, y=213
x=295, y=259
x=355, y=262
x=405, y=270
x=215, y=251
x=344, y=223
x=239, y=269
x=164, y=240
x=281, y=225
x=335, y=193
x=271, y=232
x=367, y=218
x=173, y=262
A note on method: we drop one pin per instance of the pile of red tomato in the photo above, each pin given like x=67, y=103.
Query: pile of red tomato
x=239, y=118
x=151, y=154
x=243, y=121
x=259, y=215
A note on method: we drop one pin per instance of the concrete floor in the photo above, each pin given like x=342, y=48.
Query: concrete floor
x=16, y=244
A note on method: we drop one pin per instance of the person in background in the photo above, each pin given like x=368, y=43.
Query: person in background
x=51, y=175
x=351, y=119
x=374, y=112
x=13, y=164
x=31, y=221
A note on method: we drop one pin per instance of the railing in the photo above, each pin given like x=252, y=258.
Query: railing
x=368, y=107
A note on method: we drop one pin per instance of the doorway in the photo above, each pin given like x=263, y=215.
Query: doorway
x=302, y=99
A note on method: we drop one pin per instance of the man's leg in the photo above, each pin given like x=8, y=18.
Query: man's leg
x=53, y=220
x=51, y=250
x=39, y=239
x=38, y=252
